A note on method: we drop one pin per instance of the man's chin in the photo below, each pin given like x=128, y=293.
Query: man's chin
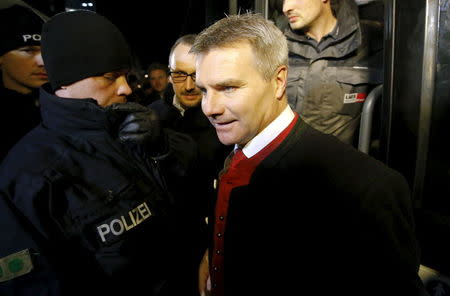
x=187, y=102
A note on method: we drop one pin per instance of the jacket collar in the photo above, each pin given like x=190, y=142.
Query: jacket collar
x=72, y=115
x=7, y=93
x=347, y=36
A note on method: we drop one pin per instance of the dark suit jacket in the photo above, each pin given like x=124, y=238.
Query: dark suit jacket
x=320, y=216
x=195, y=192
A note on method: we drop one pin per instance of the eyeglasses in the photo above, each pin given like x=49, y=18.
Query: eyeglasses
x=179, y=77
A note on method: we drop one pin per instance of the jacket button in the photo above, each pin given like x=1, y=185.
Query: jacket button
x=219, y=234
x=221, y=218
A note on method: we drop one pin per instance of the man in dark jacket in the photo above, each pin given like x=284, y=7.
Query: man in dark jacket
x=334, y=61
x=297, y=211
x=83, y=198
x=22, y=73
x=182, y=112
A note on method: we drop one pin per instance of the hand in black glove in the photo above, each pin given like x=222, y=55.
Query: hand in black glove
x=141, y=126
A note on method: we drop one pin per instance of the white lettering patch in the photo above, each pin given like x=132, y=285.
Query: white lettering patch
x=34, y=37
x=118, y=225
x=354, y=98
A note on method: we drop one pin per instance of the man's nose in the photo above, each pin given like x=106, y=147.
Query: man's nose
x=190, y=83
x=211, y=104
x=124, y=87
x=39, y=59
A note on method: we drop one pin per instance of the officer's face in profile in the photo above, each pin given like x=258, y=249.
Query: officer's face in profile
x=107, y=89
x=237, y=100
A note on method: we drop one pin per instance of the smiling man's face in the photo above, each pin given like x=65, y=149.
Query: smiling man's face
x=238, y=101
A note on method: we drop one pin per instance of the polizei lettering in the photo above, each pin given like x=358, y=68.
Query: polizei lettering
x=119, y=225
x=34, y=37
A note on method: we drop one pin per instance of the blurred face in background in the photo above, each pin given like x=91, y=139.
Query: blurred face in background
x=23, y=69
x=158, y=80
x=182, y=63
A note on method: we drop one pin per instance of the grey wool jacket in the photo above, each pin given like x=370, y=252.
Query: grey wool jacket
x=329, y=81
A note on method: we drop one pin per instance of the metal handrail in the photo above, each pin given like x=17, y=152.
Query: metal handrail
x=365, y=129
x=429, y=63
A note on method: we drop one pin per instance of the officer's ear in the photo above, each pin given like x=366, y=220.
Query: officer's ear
x=62, y=92
x=280, y=80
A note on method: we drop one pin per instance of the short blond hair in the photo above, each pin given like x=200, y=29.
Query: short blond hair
x=267, y=41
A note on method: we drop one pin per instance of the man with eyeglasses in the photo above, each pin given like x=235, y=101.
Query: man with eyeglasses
x=183, y=113
x=182, y=77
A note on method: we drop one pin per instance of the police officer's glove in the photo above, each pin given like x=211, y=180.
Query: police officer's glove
x=140, y=128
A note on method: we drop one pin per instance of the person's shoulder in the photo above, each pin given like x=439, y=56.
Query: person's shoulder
x=351, y=170
x=167, y=112
x=330, y=151
x=373, y=34
x=10, y=97
x=371, y=27
x=159, y=105
x=33, y=154
x=311, y=138
x=310, y=147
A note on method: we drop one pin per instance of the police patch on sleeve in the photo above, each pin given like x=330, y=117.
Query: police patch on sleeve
x=15, y=265
x=113, y=228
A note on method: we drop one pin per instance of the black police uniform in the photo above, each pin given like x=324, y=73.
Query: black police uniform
x=83, y=213
x=20, y=109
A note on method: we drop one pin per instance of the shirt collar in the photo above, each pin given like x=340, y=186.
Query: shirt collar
x=177, y=104
x=268, y=134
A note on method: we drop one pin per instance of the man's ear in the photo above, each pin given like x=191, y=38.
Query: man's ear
x=281, y=81
x=62, y=92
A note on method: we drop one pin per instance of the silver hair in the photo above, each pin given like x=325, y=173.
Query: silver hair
x=267, y=41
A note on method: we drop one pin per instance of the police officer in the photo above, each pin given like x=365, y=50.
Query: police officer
x=83, y=199
x=22, y=73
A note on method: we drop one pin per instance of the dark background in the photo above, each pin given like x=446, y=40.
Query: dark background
x=151, y=27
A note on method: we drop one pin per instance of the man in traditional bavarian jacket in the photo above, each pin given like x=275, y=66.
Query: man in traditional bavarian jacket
x=292, y=214
x=334, y=61
x=83, y=203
